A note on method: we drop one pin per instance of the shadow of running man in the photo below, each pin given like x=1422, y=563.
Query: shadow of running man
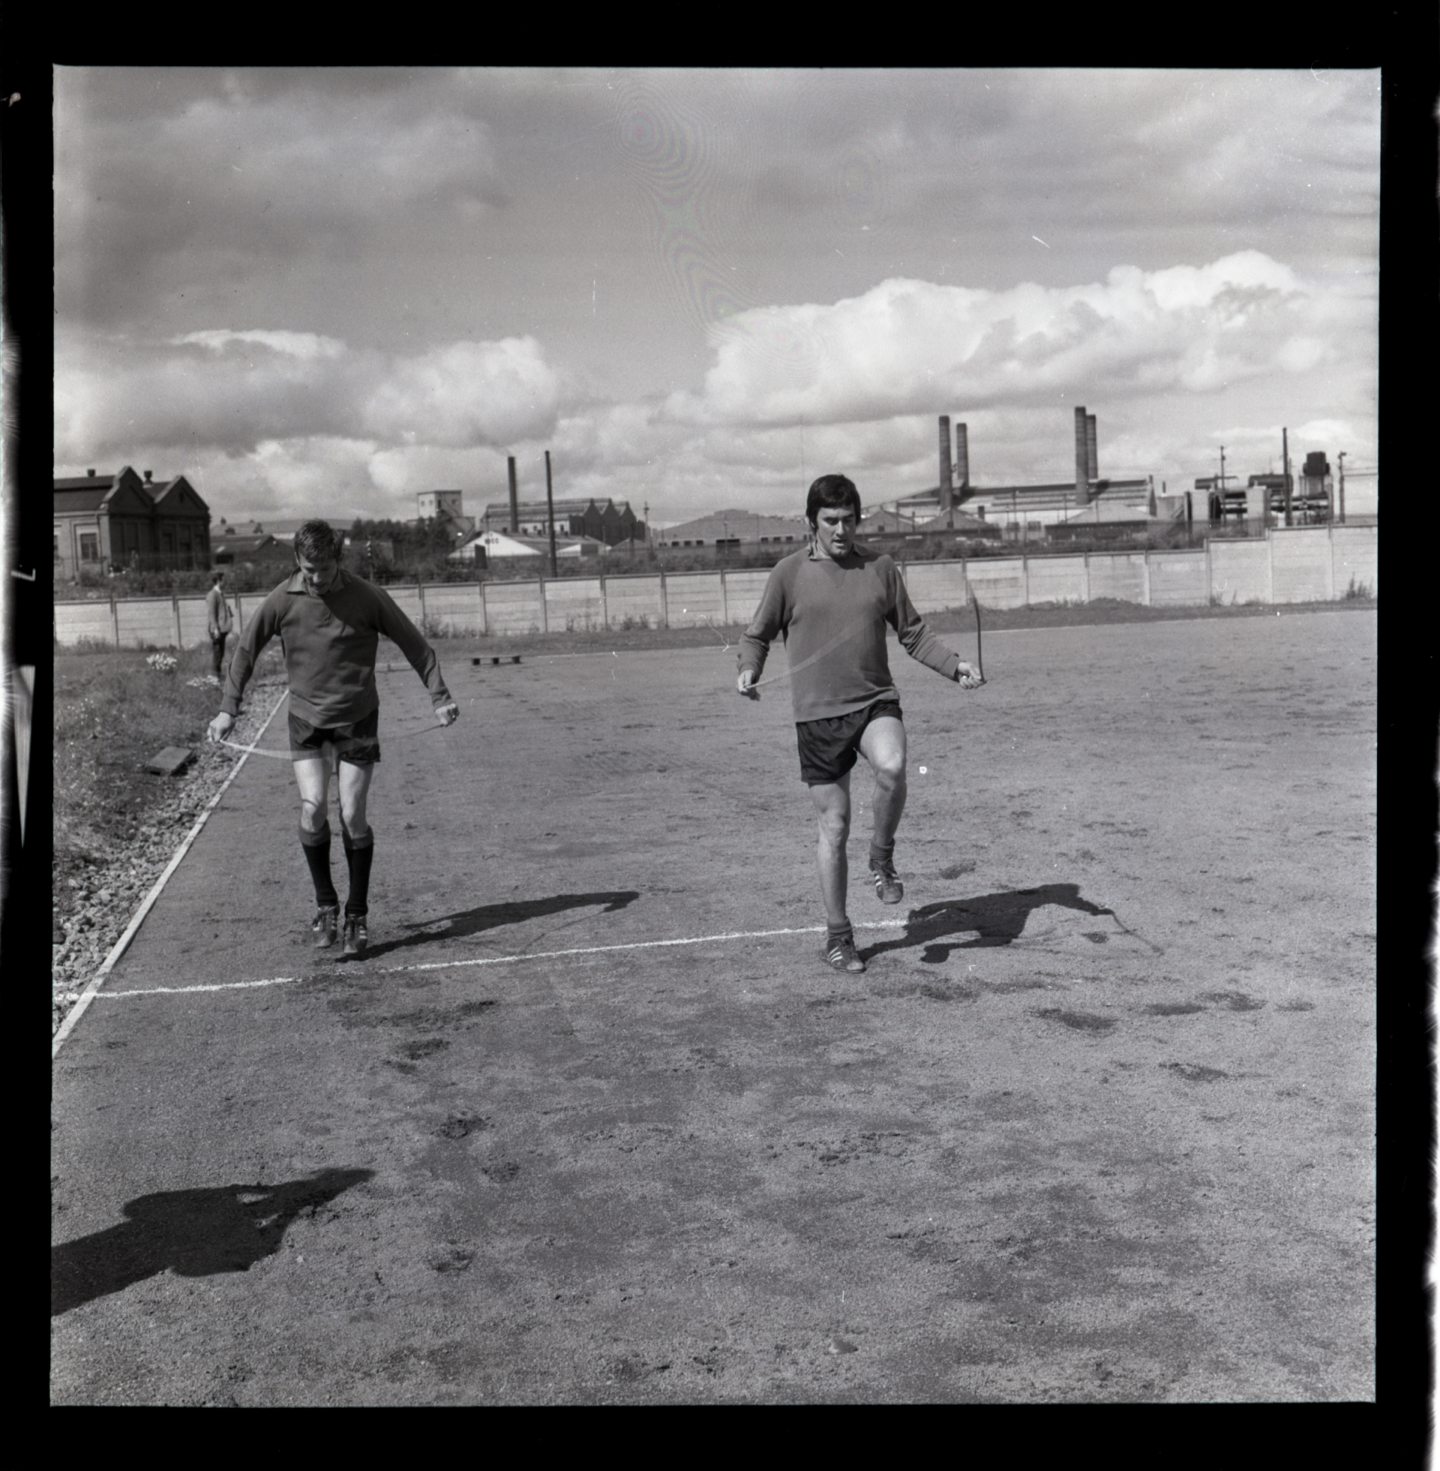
x=490, y=916
x=994, y=919
x=193, y=1233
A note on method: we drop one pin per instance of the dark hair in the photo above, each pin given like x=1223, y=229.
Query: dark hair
x=831, y=490
x=317, y=539
x=217, y=574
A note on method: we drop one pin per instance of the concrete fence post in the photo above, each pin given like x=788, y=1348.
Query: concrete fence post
x=420, y=594
x=175, y=608
x=544, y=608
x=484, y=610
x=1025, y=579
x=1145, y=582
x=1330, y=562
x=1085, y=583
x=115, y=618
x=664, y=601
x=724, y=600
x=604, y=604
x=1269, y=565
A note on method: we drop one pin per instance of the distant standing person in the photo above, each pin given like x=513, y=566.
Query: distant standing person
x=831, y=603
x=329, y=624
x=220, y=621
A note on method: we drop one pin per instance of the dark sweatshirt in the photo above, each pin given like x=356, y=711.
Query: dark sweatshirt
x=832, y=616
x=330, y=641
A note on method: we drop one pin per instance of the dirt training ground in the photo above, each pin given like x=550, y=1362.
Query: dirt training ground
x=1096, y=1124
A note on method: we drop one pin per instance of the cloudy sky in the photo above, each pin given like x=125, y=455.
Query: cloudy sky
x=322, y=291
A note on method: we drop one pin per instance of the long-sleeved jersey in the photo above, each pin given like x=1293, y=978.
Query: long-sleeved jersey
x=330, y=641
x=832, y=616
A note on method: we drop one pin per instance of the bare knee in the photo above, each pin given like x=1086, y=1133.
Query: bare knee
x=890, y=775
x=312, y=815
x=834, y=828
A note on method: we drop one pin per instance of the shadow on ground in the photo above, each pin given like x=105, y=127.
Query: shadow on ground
x=491, y=916
x=991, y=919
x=194, y=1233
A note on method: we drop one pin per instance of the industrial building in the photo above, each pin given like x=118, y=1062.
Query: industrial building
x=110, y=522
x=734, y=528
x=1023, y=510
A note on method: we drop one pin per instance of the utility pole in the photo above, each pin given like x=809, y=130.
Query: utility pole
x=1342, y=487
x=550, y=507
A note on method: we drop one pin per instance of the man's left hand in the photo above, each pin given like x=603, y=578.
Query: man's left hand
x=447, y=714
x=967, y=676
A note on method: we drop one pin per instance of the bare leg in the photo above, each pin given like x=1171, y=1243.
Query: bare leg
x=354, y=784
x=312, y=776
x=883, y=746
x=832, y=806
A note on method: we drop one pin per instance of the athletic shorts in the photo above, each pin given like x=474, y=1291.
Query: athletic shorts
x=358, y=743
x=829, y=748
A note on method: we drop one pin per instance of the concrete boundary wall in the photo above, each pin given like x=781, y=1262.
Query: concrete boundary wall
x=1295, y=564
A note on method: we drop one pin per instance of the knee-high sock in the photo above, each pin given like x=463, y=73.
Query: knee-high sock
x=317, y=856
x=358, y=854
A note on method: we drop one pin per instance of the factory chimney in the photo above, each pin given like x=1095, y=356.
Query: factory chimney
x=946, y=483
x=1082, y=456
x=1092, y=455
x=962, y=460
x=514, y=527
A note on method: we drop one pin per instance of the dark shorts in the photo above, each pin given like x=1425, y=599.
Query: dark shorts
x=358, y=743
x=829, y=748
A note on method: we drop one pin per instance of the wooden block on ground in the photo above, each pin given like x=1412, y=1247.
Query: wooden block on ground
x=481, y=659
x=170, y=760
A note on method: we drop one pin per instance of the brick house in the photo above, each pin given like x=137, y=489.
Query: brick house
x=110, y=522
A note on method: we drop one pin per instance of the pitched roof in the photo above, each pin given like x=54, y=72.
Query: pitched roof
x=84, y=495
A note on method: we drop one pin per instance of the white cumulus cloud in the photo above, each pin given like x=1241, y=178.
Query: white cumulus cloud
x=908, y=346
x=467, y=393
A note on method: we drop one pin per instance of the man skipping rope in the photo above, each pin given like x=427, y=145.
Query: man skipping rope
x=329, y=624
x=831, y=603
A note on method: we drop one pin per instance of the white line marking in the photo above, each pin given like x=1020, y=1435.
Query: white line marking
x=122, y=944
x=391, y=970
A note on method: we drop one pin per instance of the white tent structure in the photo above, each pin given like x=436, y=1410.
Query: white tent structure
x=495, y=544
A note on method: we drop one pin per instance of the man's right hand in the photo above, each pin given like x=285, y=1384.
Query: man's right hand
x=746, y=684
x=220, y=727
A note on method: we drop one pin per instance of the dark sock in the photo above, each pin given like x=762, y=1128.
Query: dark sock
x=317, y=855
x=879, y=855
x=840, y=931
x=358, y=854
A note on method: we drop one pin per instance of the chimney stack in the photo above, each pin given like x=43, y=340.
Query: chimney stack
x=1092, y=455
x=148, y=475
x=1082, y=456
x=90, y=473
x=946, y=483
x=514, y=499
x=962, y=459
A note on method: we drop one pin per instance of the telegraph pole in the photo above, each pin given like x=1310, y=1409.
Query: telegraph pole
x=550, y=507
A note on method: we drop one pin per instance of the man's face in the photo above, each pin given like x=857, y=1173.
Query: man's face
x=319, y=572
x=835, y=530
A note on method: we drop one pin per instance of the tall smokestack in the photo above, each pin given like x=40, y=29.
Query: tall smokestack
x=962, y=459
x=1082, y=456
x=1285, y=450
x=514, y=499
x=946, y=483
x=1092, y=454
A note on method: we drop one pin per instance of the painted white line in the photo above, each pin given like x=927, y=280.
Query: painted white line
x=122, y=944
x=392, y=970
